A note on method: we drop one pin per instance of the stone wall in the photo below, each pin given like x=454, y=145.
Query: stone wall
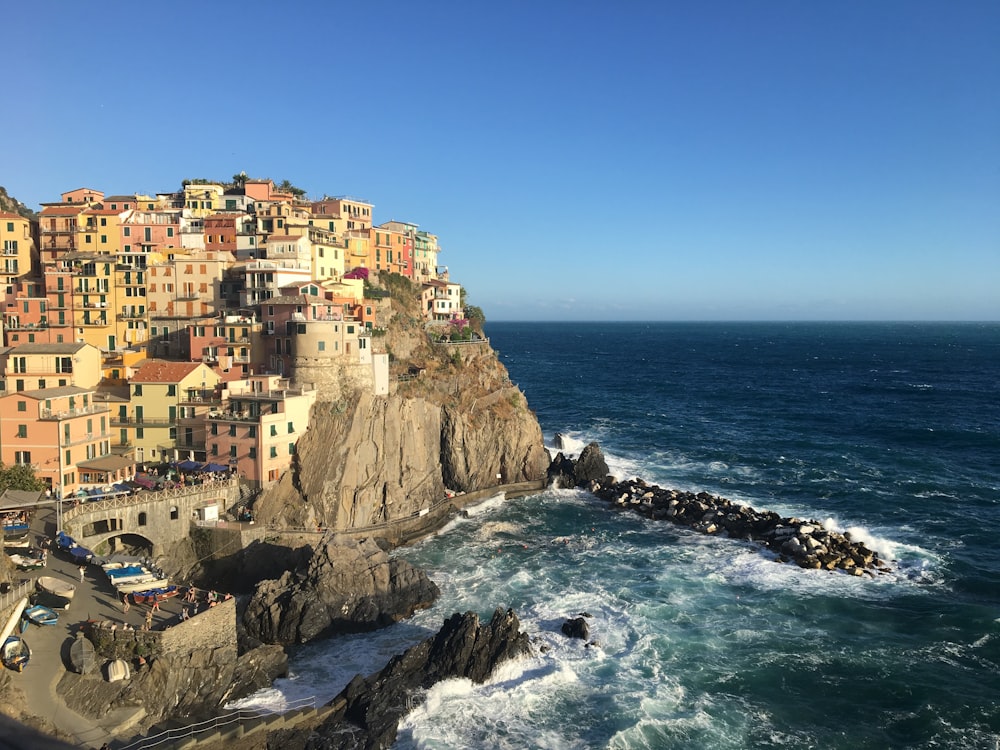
x=212, y=628
x=161, y=517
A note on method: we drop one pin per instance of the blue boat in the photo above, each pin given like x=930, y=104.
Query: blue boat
x=64, y=541
x=40, y=615
x=81, y=555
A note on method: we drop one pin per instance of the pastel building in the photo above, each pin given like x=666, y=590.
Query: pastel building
x=164, y=418
x=256, y=430
x=441, y=301
x=56, y=431
x=17, y=242
x=182, y=288
x=38, y=366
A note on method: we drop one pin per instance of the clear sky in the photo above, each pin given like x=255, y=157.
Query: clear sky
x=579, y=160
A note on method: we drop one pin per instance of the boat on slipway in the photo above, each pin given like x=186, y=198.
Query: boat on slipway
x=55, y=586
x=82, y=656
x=156, y=583
x=14, y=651
x=40, y=615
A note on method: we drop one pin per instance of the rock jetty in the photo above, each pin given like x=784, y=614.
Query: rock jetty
x=807, y=543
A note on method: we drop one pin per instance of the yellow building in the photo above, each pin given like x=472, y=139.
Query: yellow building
x=42, y=365
x=17, y=240
x=82, y=298
x=203, y=200
x=165, y=416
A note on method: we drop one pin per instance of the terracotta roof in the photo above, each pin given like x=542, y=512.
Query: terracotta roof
x=162, y=371
x=9, y=215
x=71, y=209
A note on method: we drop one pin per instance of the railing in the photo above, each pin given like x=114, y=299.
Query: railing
x=141, y=498
x=142, y=421
x=13, y=596
x=49, y=414
x=215, y=725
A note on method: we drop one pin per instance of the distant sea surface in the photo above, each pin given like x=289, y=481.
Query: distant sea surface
x=891, y=431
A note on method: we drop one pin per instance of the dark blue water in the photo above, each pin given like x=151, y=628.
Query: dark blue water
x=889, y=430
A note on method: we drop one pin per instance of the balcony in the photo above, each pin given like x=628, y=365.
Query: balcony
x=142, y=421
x=233, y=416
x=200, y=397
x=55, y=415
x=131, y=315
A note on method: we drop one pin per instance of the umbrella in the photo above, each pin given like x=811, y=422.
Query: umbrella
x=215, y=467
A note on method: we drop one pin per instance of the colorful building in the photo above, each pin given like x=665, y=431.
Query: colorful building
x=256, y=430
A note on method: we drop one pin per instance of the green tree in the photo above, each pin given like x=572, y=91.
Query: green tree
x=19, y=477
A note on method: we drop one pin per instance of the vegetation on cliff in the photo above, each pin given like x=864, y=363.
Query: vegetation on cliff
x=13, y=205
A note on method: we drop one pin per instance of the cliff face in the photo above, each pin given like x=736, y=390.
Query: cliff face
x=452, y=422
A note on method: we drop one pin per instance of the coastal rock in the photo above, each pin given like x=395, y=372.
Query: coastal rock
x=560, y=472
x=590, y=466
x=346, y=586
x=367, y=712
x=576, y=627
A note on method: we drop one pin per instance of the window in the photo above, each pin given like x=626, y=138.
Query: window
x=22, y=430
x=127, y=232
x=274, y=430
x=274, y=451
x=215, y=449
x=232, y=451
x=291, y=449
x=232, y=430
x=137, y=391
x=252, y=432
x=22, y=406
x=253, y=452
x=291, y=428
x=69, y=457
x=321, y=345
x=104, y=239
x=22, y=457
x=171, y=390
x=215, y=428
x=142, y=518
x=174, y=515
x=140, y=433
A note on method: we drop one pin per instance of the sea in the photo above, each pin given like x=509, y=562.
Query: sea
x=888, y=430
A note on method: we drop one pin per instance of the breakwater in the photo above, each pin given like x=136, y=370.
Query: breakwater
x=807, y=543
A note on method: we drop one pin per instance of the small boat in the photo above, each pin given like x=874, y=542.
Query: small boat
x=40, y=615
x=51, y=601
x=148, y=596
x=55, y=586
x=81, y=555
x=15, y=530
x=26, y=562
x=81, y=655
x=129, y=588
x=118, y=670
x=129, y=574
x=64, y=541
x=15, y=653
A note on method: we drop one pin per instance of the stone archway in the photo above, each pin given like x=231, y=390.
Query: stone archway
x=123, y=542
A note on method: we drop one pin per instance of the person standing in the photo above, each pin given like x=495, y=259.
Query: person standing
x=83, y=569
x=125, y=604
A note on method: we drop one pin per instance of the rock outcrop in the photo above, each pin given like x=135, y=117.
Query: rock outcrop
x=367, y=712
x=455, y=425
x=590, y=466
x=345, y=586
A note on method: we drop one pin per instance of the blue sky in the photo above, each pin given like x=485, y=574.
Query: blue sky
x=578, y=160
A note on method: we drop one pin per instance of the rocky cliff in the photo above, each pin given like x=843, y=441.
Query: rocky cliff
x=452, y=421
x=345, y=586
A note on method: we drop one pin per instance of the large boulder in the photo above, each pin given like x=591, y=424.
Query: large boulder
x=367, y=712
x=590, y=466
x=347, y=586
